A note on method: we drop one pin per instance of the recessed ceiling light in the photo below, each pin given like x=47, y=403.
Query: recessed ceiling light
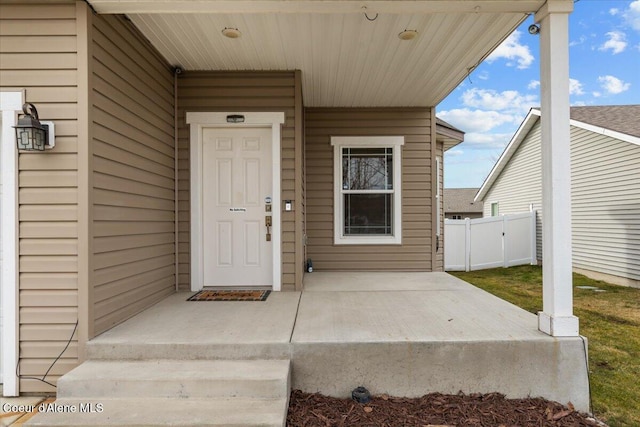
x=408, y=35
x=232, y=33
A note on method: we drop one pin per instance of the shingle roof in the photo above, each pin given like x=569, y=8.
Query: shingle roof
x=448, y=134
x=620, y=118
x=461, y=200
x=441, y=122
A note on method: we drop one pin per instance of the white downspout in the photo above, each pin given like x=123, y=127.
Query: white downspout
x=175, y=177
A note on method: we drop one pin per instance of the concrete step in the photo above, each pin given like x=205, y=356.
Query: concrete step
x=266, y=379
x=166, y=412
x=107, y=348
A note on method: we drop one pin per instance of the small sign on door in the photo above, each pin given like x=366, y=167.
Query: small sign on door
x=237, y=209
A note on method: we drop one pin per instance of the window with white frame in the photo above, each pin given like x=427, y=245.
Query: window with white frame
x=367, y=190
x=495, y=209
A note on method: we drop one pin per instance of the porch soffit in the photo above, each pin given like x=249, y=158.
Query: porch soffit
x=346, y=60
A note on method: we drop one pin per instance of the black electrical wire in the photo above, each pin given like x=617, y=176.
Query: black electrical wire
x=75, y=328
x=370, y=19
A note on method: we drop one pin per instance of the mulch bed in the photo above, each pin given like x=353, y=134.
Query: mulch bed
x=490, y=410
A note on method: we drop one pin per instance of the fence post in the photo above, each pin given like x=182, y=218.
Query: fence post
x=534, y=239
x=467, y=244
x=505, y=243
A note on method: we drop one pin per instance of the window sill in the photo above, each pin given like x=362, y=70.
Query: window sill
x=368, y=240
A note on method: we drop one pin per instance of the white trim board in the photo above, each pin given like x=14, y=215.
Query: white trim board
x=10, y=104
x=199, y=120
x=607, y=132
x=310, y=6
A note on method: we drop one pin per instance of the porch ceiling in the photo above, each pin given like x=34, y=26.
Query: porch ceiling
x=346, y=59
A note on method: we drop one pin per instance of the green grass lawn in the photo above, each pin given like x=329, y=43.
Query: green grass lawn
x=611, y=322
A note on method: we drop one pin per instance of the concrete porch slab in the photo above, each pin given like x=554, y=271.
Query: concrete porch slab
x=180, y=329
x=408, y=307
x=326, y=281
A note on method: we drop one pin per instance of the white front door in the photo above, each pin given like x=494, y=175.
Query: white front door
x=236, y=196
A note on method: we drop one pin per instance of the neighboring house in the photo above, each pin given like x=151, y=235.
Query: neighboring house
x=175, y=138
x=459, y=203
x=605, y=194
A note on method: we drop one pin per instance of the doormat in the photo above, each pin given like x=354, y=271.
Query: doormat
x=247, y=295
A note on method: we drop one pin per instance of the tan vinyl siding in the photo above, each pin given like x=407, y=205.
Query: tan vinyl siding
x=605, y=204
x=412, y=123
x=520, y=184
x=133, y=172
x=39, y=54
x=241, y=91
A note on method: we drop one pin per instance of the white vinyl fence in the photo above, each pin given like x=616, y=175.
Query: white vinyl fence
x=502, y=241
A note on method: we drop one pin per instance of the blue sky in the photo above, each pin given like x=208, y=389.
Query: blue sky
x=489, y=106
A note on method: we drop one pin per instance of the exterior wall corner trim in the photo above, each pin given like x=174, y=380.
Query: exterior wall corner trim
x=10, y=104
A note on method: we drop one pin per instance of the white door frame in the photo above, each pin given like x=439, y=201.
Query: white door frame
x=10, y=104
x=200, y=120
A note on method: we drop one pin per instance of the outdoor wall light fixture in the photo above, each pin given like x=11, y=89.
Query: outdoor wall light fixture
x=408, y=35
x=232, y=33
x=31, y=134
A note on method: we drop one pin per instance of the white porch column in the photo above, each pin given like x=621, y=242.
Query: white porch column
x=557, y=317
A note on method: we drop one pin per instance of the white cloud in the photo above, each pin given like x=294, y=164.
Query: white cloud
x=613, y=85
x=512, y=50
x=614, y=11
x=487, y=140
x=533, y=84
x=580, y=40
x=454, y=152
x=508, y=100
x=476, y=120
x=484, y=75
x=596, y=94
x=575, y=87
x=617, y=42
x=632, y=15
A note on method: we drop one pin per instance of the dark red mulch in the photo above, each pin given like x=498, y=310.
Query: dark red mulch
x=490, y=410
